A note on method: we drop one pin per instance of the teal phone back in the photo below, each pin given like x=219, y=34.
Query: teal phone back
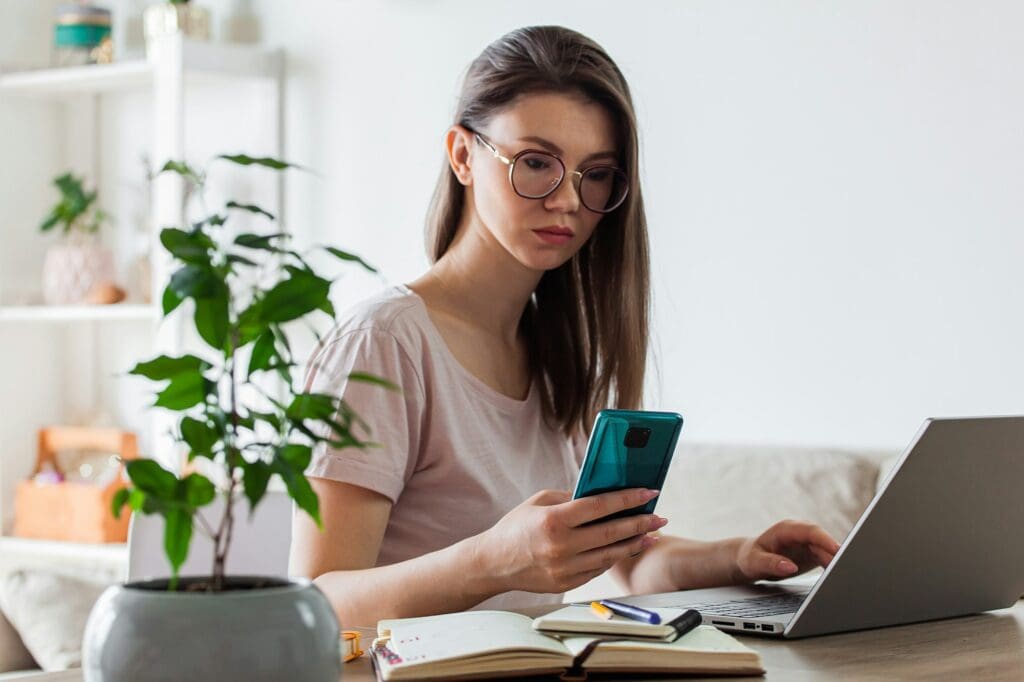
x=614, y=462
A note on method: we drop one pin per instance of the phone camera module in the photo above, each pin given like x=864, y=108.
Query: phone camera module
x=637, y=437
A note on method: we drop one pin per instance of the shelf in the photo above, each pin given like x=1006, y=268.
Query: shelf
x=113, y=552
x=75, y=313
x=200, y=62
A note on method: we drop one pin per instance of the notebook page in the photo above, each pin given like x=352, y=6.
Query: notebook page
x=462, y=635
x=581, y=619
x=705, y=638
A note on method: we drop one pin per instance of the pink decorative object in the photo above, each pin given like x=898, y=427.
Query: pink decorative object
x=72, y=268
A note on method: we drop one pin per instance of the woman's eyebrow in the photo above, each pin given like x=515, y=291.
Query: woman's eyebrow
x=551, y=146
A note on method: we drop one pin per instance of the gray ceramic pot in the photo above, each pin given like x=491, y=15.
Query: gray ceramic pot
x=261, y=629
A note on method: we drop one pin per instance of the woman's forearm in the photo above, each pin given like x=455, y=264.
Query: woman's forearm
x=680, y=564
x=451, y=579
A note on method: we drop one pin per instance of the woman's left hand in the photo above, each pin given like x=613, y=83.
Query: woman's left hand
x=786, y=549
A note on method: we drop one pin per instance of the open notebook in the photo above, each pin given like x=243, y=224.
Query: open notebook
x=502, y=644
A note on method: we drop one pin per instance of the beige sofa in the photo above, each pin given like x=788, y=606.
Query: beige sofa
x=721, y=491
x=712, y=491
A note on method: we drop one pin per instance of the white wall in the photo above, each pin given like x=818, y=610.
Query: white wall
x=833, y=188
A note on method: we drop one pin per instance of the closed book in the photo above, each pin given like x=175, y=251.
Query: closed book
x=477, y=644
x=578, y=619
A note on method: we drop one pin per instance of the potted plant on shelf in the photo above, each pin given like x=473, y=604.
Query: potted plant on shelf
x=77, y=265
x=221, y=627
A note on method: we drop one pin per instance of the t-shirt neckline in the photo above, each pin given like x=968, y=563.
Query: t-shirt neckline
x=491, y=394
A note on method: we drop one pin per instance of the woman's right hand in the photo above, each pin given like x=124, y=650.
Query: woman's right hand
x=543, y=545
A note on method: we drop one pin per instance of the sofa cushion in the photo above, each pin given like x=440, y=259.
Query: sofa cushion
x=715, y=492
x=13, y=654
x=719, y=491
x=49, y=611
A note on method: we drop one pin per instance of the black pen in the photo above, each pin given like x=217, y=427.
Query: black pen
x=690, y=619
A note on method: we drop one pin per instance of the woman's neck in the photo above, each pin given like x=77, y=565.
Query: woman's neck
x=478, y=281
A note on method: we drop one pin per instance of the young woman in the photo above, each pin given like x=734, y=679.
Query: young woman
x=533, y=317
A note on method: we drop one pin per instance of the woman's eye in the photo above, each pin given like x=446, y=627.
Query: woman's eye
x=599, y=174
x=535, y=163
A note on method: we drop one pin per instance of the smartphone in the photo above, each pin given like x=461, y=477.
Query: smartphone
x=628, y=449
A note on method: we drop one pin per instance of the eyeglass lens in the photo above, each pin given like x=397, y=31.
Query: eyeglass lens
x=536, y=174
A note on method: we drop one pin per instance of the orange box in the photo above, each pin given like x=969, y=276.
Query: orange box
x=69, y=511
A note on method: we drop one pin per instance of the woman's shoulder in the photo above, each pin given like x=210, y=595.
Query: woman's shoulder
x=396, y=312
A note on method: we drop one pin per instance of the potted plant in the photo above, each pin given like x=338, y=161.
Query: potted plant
x=72, y=267
x=221, y=627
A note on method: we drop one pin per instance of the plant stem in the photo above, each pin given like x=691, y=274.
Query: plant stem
x=230, y=455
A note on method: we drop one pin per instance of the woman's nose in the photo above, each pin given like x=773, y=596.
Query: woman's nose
x=566, y=196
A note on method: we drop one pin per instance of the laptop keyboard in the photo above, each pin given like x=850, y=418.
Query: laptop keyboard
x=754, y=607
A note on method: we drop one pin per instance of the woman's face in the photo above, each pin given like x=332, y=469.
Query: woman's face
x=542, y=234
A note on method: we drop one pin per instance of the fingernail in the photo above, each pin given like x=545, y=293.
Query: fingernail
x=836, y=548
x=787, y=566
x=648, y=541
x=658, y=522
x=651, y=494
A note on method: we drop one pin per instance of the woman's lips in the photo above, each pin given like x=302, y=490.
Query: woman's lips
x=554, y=235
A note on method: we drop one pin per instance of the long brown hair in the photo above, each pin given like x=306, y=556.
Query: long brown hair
x=587, y=322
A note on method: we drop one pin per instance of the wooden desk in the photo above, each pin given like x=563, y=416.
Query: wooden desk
x=987, y=647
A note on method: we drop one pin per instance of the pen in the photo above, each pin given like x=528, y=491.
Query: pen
x=634, y=612
x=601, y=611
x=690, y=619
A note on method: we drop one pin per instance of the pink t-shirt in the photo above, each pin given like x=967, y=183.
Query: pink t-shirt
x=456, y=454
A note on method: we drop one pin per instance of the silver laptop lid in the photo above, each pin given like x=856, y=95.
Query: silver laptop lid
x=941, y=538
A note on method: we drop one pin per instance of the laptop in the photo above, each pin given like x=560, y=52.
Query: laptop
x=941, y=538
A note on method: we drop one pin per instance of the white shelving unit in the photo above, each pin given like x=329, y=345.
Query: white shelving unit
x=69, y=359
x=79, y=313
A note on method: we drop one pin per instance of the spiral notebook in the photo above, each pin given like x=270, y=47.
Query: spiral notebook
x=476, y=644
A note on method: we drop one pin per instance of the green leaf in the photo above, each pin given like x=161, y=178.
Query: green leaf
x=297, y=456
x=254, y=481
x=311, y=406
x=165, y=367
x=200, y=436
x=294, y=297
x=137, y=500
x=170, y=301
x=177, y=536
x=303, y=494
x=266, y=161
x=211, y=318
x=119, y=501
x=263, y=242
x=267, y=418
x=241, y=260
x=327, y=307
x=50, y=221
x=195, y=490
x=196, y=281
x=151, y=478
x=191, y=247
x=184, y=391
x=252, y=208
x=262, y=353
x=184, y=170
x=371, y=379
x=345, y=256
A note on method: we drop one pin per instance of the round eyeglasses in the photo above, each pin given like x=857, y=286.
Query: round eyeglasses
x=535, y=174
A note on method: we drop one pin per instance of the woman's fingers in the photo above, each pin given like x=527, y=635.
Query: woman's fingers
x=610, y=532
x=593, y=507
x=770, y=565
x=603, y=558
x=821, y=556
x=798, y=533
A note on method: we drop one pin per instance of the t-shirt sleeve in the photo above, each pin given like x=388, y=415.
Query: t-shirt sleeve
x=393, y=417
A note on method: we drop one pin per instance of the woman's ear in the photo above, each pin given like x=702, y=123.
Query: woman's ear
x=459, y=143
